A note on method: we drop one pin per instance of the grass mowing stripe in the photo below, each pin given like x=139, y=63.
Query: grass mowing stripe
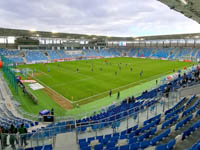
x=122, y=87
x=52, y=89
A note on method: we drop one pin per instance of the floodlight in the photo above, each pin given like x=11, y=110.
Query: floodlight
x=54, y=32
x=32, y=30
x=184, y=2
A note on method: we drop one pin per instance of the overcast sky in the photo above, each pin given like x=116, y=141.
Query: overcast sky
x=101, y=17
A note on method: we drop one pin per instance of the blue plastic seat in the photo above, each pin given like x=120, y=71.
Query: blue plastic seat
x=48, y=147
x=113, y=148
x=124, y=147
x=155, y=140
x=162, y=147
x=86, y=148
x=110, y=144
x=144, y=144
x=170, y=144
x=123, y=137
x=132, y=140
x=83, y=144
x=100, y=138
x=31, y=148
x=90, y=139
x=98, y=147
x=107, y=136
x=81, y=140
x=134, y=146
x=38, y=148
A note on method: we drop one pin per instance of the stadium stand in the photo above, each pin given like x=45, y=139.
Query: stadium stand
x=159, y=53
x=53, y=54
x=6, y=52
x=152, y=132
x=16, y=59
x=63, y=54
x=34, y=56
x=145, y=52
x=161, y=131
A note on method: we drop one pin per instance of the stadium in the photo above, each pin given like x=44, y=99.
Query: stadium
x=70, y=90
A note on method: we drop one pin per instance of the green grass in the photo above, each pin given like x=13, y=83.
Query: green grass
x=64, y=79
x=44, y=102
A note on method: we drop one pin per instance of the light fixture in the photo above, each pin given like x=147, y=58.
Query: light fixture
x=54, y=32
x=32, y=30
x=184, y=2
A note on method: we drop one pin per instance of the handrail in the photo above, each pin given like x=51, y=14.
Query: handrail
x=118, y=113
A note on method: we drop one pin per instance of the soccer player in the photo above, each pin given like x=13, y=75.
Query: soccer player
x=118, y=95
x=77, y=69
x=131, y=69
x=141, y=73
x=48, y=69
x=115, y=72
x=110, y=93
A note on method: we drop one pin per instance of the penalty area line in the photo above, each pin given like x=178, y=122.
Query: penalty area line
x=53, y=90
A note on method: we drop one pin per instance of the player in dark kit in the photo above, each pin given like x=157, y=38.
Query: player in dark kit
x=110, y=93
x=141, y=73
x=118, y=95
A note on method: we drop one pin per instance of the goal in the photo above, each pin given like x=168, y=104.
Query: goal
x=27, y=71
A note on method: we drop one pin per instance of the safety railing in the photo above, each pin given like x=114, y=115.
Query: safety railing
x=27, y=140
x=125, y=122
x=45, y=136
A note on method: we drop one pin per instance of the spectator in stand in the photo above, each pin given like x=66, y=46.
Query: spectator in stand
x=52, y=112
x=124, y=101
x=167, y=90
x=185, y=79
x=13, y=138
x=22, y=132
x=129, y=100
x=133, y=99
x=0, y=133
x=4, y=135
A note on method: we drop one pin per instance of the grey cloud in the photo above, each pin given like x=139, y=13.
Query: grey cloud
x=108, y=17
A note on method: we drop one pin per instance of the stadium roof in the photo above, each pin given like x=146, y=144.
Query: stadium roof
x=190, y=8
x=27, y=33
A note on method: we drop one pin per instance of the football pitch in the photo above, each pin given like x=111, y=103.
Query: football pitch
x=85, y=81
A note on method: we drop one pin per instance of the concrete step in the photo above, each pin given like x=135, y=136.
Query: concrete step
x=66, y=141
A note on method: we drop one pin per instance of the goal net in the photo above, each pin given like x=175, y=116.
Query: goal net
x=190, y=58
x=27, y=72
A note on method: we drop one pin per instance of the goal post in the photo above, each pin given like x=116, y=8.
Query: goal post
x=190, y=58
x=27, y=71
